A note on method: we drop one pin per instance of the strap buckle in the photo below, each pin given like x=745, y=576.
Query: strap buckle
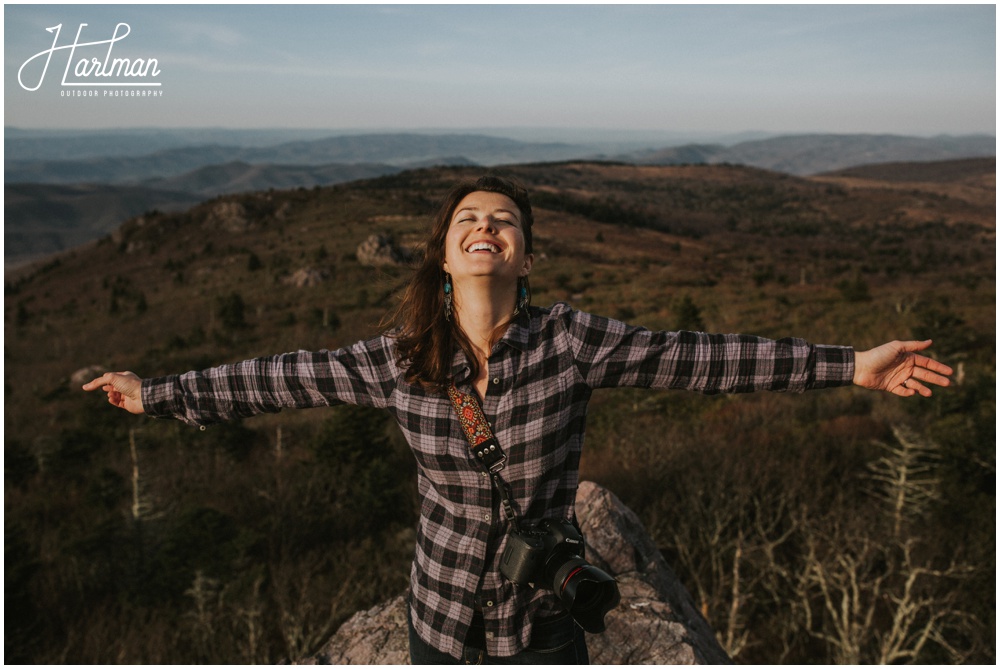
x=498, y=466
x=489, y=453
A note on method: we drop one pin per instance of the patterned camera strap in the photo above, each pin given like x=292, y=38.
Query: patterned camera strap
x=484, y=446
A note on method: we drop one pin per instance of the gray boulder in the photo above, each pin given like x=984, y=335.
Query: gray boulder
x=380, y=251
x=657, y=621
x=85, y=374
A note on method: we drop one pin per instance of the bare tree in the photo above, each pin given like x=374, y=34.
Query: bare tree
x=730, y=554
x=905, y=476
x=875, y=602
x=306, y=616
x=879, y=597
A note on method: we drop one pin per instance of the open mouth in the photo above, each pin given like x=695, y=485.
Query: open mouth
x=483, y=246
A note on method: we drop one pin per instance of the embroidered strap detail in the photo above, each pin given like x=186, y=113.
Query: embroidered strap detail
x=484, y=445
x=470, y=415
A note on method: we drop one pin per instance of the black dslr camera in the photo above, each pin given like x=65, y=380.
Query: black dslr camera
x=551, y=553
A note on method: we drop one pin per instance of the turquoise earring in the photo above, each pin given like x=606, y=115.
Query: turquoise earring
x=447, y=297
x=522, y=295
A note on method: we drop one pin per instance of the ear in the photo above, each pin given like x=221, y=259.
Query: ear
x=529, y=260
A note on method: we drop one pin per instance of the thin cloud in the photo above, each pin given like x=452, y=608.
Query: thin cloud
x=206, y=35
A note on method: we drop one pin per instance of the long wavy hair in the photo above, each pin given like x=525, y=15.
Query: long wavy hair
x=425, y=340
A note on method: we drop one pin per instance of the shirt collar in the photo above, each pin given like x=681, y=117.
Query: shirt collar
x=518, y=332
x=516, y=336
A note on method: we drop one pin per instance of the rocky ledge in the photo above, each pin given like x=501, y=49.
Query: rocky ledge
x=657, y=621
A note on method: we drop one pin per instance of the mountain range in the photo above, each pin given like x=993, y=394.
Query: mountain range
x=53, y=203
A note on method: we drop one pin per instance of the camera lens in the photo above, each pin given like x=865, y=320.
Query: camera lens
x=587, y=592
x=589, y=595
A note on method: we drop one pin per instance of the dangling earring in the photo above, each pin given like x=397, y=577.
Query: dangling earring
x=522, y=295
x=447, y=297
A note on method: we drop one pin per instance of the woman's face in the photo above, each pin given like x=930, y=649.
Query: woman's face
x=485, y=239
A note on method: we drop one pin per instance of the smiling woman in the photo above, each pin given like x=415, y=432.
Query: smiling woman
x=469, y=363
x=485, y=259
x=486, y=288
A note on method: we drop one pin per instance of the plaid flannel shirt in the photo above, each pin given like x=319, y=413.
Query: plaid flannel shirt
x=541, y=375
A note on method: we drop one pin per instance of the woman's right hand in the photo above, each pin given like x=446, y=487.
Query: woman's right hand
x=124, y=390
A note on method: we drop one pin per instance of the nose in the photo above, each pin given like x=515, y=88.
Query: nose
x=487, y=223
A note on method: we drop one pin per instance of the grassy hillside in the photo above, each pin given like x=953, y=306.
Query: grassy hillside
x=42, y=219
x=145, y=541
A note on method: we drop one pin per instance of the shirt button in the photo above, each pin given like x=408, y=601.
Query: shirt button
x=486, y=517
x=489, y=603
x=489, y=635
x=496, y=380
x=486, y=475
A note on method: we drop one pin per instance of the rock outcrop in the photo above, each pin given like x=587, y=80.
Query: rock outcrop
x=381, y=250
x=85, y=374
x=307, y=277
x=657, y=621
x=230, y=215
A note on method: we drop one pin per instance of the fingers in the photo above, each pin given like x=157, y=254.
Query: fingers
x=925, y=371
x=916, y=345
x=923, y=362
x=124, y=390
x=99, y=382
x=112, y=380
x=930, y=371
x=115, y=398
x=927, y=376
x=913, y=387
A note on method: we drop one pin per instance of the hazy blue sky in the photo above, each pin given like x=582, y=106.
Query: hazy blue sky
x=905, y=69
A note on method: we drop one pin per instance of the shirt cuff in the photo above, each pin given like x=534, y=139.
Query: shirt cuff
x=161, y=397
x=833, y=366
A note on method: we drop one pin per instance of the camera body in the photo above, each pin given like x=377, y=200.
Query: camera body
x=550, y=553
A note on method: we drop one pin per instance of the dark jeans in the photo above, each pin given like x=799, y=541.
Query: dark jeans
x=558, y=641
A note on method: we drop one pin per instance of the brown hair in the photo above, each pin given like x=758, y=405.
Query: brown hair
x=425, y=339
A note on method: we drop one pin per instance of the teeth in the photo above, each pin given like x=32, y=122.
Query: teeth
x=484, y=246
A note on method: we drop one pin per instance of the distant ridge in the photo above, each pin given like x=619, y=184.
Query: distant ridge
x=242, y=177
x=401, y=149
x=817, y=153
x=944, y=171
x=793, y=154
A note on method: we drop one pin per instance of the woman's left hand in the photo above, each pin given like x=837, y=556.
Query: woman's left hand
x=897, y=368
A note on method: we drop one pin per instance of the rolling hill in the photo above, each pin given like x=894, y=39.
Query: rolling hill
x=812, y=154
x=187, y=173
x=43, y=219
x=241, y=177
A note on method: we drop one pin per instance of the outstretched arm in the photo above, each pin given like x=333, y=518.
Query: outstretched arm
x=896, y=367
x=124, y=390
x=365, y=373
